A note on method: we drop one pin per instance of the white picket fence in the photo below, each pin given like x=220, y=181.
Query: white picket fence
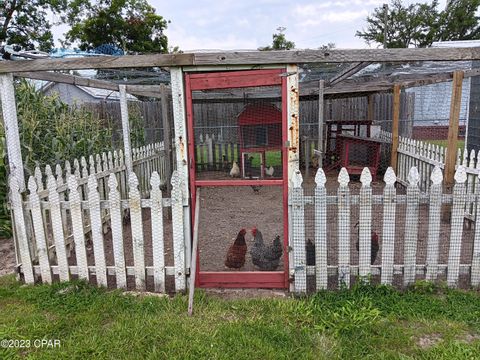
x=389, y=238
x=53, y=216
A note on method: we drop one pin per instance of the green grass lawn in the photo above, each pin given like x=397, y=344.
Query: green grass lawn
x=365, y=322
x=460, y=143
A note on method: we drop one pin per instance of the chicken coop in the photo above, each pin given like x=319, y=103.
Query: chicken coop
x=260, y=132
x=300, y=170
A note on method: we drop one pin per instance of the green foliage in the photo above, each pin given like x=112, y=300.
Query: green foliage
x=132, y=25
x=52, y=132
x=26, y=22
x=420, y=24
x=5, y=222
x=279, y=42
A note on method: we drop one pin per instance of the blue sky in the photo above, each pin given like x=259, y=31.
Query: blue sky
x=248, y=24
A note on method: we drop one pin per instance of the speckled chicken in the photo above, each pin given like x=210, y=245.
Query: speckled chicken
x=266, y=258
x=237, y=251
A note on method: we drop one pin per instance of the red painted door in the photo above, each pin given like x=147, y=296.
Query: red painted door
x=215, y=101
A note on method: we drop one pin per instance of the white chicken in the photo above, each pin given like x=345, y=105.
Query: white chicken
x=269, y=171
x=235, y=170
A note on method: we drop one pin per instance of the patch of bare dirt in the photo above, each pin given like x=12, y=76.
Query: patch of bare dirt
x=231, y=294
x=7, y=256
x=427, y=341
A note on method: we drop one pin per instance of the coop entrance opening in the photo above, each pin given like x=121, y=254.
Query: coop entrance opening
x=236, y=136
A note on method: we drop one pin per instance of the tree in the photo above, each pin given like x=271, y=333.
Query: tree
x=459, y=21
x=279, y=42
x=131, y=25
x=25, y=22
x=420, y=24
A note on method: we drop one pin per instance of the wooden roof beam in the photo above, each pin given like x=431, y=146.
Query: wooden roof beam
x=346, y=73
x=139, y=90
x=244, y=58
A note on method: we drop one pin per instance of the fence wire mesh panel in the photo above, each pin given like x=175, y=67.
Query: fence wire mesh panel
x=238, y=133
x=225, y=212
x=386, y=233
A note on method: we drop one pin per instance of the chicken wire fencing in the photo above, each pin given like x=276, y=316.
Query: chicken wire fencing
x=383, y=232
x=226, y=211
x=238, y=133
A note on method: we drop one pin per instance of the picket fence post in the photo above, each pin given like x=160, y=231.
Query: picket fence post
x=388, y=232
x=365, y=223
x=157, y=234
x=39, y=230
x=411, y=227
x=178, y=232
x=20, y=229
x=456, y=226
x=434, y=223
x=321, y=248
x=343, y=194
x=77, y=227
x=137, y=231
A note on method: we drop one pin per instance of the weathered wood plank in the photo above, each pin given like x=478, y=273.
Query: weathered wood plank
x=395, y=126
x=455, y=105
x=244, y=58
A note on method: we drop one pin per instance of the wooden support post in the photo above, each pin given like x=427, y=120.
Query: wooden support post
x=370, y=107
x=396, y=118
x=10, y=124
x=321, y=110
x=167, y=142
x=455, y=104
x=127, y=148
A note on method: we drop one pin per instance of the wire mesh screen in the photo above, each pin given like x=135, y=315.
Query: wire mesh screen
x=238, y=133
x=225, y=212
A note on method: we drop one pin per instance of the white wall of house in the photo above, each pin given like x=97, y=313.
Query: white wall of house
x=432, y=103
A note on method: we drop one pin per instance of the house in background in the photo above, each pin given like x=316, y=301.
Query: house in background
x=75, y=94
x=432, y=102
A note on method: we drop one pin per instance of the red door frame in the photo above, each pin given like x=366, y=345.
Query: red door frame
x=239, y=79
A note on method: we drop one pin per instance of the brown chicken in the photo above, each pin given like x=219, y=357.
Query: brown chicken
x=237, y=251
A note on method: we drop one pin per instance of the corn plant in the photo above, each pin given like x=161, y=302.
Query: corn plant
x=52, y=132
